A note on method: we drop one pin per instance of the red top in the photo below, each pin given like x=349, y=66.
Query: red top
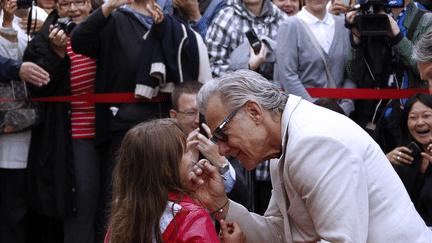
x=194, y=223
x=83, y=71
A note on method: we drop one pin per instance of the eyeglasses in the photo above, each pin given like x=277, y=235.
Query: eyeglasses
x=218, y=133
x=190, y=113
x=66, y=5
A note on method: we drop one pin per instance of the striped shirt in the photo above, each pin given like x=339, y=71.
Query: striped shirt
x=83, y=71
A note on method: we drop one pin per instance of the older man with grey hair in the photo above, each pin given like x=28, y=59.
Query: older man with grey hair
x=331, y=180
x=422, y=53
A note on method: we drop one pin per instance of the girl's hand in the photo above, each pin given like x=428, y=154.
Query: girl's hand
x=231, y=232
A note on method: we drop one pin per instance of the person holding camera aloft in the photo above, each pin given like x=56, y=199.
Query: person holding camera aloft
x=63, y=159
x=384, y=61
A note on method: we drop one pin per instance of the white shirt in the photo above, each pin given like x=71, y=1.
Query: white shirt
x=322, y=29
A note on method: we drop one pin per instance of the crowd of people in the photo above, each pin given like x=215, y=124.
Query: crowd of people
x=172, y=167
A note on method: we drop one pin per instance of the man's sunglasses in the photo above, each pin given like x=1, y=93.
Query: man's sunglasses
x=218, y=133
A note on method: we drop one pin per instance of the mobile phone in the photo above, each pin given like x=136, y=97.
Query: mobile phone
x=253, y=40
x=414, y=148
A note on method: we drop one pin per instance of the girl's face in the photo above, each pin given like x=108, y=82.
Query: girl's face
x=420, y=123
x=290, y=7
x=186, y=166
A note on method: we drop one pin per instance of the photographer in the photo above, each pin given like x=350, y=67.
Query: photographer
x=385, y=62
x=62, y=149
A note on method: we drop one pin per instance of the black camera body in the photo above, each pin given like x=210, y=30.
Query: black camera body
x=369, y=21
x=24, y=4
x=66, y=24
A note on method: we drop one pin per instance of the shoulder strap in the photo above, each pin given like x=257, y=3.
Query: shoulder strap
x=414, y=24
x=320, y=51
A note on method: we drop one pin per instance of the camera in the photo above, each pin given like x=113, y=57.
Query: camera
x=24, y=4
x=368, y=19
x=66, y=24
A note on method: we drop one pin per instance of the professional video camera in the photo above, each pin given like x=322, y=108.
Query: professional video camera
x=370, y=20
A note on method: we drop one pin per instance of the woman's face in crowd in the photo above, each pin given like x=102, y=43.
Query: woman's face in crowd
x=46, y=4
x=420, y=122
x=316, y=5
x=77, y=10
x=291, y=7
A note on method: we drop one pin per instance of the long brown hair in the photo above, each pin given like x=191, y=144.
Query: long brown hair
x=147, y=168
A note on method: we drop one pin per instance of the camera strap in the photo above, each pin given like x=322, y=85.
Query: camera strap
x=320, y=51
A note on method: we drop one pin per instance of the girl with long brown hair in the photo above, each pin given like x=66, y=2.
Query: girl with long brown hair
x=152, y=197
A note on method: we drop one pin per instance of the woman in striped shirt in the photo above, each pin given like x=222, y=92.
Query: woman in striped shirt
x=62, y=149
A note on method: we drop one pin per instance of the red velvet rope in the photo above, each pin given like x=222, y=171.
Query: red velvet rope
x=314, y=92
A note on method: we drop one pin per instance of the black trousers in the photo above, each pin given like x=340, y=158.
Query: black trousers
x=13, y=207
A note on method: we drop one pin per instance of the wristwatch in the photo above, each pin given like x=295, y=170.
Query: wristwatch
x=224, y=168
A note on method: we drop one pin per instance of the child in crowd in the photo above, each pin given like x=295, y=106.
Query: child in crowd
x=153, y=200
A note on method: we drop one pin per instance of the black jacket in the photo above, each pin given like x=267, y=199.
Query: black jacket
x=50, y=160
x=418, y=186
x=116, y=42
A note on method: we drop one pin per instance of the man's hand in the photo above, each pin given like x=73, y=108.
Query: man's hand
x=189, y=9
x=9, y=9
x=394, y=27
x=209, y=188
x=337, y=7
x=32, y=73
x=255, y=60
x=350, y=17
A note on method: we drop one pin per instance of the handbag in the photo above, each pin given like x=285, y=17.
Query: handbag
x=17, y=114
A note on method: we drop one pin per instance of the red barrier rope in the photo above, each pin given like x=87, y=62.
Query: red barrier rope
x=102, y=98
x=369, y=94
x=337, y=93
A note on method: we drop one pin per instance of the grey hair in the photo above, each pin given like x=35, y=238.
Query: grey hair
x=422, y=51
x=234, y=89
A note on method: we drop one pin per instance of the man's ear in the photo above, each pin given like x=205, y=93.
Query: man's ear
x=255, y=111
x=173, y=114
